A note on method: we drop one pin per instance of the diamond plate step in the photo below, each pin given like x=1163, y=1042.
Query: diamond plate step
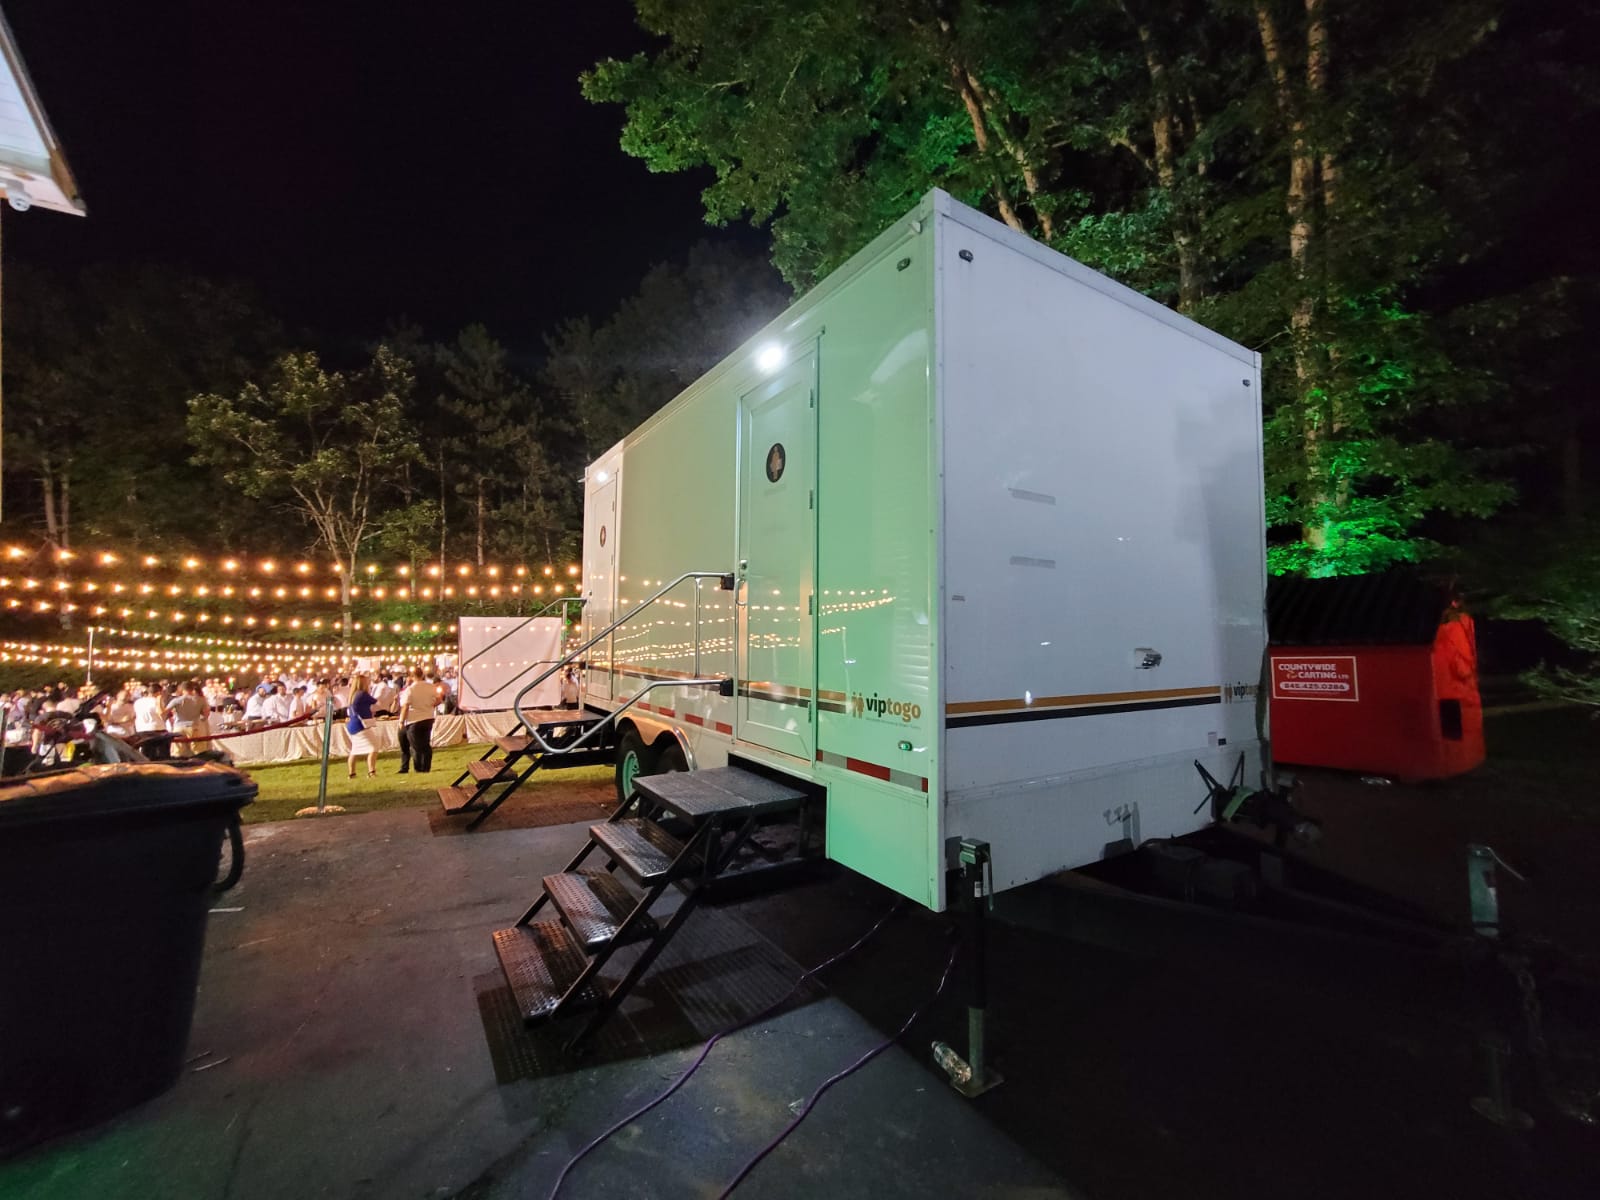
x=719, y=791
x=541, y=961
x=456, y=799
x=643, y=848
x=512, y=745
x=487, y=769
x=594, y=904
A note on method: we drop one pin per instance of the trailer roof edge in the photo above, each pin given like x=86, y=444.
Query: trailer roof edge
x=948, y=206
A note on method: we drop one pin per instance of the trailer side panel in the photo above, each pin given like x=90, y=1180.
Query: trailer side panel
x=1103, y=556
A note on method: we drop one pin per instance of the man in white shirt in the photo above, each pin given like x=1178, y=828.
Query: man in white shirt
x=120, y=715
x=147, y=712
x=384, y=697
x=275, y=708
x=255, y=708
x=189, y=711
x=417, y=705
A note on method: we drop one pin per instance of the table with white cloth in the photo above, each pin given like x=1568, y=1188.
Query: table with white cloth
x=297, y=742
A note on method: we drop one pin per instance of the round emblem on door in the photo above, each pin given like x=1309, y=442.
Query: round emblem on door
x=602, y=535
x=776, y=461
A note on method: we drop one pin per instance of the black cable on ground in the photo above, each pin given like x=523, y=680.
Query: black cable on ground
x=734, y=1028
x=833, y=1079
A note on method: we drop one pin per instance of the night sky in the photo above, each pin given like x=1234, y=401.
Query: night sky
x=356, y=160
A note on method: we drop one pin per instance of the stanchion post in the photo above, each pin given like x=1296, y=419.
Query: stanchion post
x=327, y=747
x=323, y=808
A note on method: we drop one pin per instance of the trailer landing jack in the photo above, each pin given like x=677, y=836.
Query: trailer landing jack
x=973, y=1076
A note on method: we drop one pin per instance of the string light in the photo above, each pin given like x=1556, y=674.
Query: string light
x=233, y=563
x=194, y=587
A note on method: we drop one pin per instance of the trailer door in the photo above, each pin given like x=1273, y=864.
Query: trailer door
x=776, y=664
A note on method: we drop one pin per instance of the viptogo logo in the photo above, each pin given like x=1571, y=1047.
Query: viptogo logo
x=882, y=706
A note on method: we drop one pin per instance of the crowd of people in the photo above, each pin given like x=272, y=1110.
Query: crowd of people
x=193, y=711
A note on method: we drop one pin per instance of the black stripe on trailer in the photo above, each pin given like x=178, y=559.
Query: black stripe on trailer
x=1089, y=710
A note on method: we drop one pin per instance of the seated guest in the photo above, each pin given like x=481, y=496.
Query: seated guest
x=275, y=708
x=255, y=709
x=384, y=697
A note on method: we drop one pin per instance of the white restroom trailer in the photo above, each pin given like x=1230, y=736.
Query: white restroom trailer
x=996, y=522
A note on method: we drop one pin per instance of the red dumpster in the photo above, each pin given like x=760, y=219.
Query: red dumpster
x=1373, y=673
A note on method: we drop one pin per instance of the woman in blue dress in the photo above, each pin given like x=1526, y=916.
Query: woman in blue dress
x=359, y=727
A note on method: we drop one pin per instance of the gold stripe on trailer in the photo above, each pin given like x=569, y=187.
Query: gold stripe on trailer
x=1044, y=708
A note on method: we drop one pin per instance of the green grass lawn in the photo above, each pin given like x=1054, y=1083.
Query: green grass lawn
x=286, y=789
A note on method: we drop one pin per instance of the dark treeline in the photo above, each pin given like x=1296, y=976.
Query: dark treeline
x=123, y=388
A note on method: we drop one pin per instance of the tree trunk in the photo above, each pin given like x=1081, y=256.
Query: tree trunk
x=1317, y=51
x=1164, y=130
x=480, y=523
x=1298, y=202
x=66, y=505
x=980, y=134
x=1030, y=177
x=47, y=484
x=346, y=577
x=442, y=524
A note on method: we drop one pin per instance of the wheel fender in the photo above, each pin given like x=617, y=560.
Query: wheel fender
x=671, y=736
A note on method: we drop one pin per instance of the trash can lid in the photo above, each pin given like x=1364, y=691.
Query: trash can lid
x=122, y=789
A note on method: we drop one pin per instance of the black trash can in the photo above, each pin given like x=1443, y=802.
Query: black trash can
x=106, y=876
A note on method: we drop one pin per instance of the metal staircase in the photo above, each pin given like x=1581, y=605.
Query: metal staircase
x=492, y=778
x=572, y=738
x=682, y=831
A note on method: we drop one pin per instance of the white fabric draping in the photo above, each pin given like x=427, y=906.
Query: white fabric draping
x=305, y=741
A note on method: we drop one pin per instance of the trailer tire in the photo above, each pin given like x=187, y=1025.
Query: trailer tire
x=671, y=758
x=634, y=758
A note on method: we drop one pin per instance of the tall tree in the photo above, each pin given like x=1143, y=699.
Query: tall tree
x=1301, y=174
x=324, y=444
x=683, y=319
x=487, y=407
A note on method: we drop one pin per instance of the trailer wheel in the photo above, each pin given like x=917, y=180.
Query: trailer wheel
x=671, y=759
x=634, y=758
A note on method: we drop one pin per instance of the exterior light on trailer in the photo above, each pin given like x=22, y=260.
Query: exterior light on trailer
x=770, y=357
x=601, y=476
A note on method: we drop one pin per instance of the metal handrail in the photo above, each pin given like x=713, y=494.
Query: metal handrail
x=547, y=748
x=461, y=671
x=573, y=655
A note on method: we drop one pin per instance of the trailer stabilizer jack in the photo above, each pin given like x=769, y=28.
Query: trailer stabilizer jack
x=972, y=1076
